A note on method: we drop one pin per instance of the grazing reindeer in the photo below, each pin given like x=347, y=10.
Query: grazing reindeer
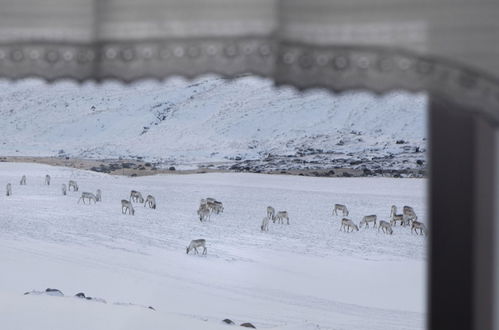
x=89, y=196
x=265, y=224
x=385, y=227
x=72, y=184
x=136, y=196
x=150, y=201
x=340, y=207
x=348, y=225
x=195, y=244
x=270, y=212
x=127, y=205
x=394, y=217
x=98, y=195
x=409, y=215
x=64, y=190
x=419, y=225
x=368, y=218
x=204, y=212
x=47, y=180
x=280, y=216
x=9, y=189
x=214, y=205
x=23, y=180
x=217, y=207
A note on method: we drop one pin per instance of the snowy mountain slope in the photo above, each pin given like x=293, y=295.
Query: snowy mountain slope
x=207, y=120
x=307, y=275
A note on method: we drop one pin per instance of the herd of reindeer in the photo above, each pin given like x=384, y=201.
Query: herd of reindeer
x=209, y=206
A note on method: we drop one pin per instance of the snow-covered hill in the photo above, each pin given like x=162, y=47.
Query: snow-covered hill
x=303, y=276
x=211, y=120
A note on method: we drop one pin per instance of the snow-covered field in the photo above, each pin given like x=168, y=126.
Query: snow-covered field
x=180, y=122
x=307, y=275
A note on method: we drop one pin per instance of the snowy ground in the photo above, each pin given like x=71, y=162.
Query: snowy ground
x=307, y=275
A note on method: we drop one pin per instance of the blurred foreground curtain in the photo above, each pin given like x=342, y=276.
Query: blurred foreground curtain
x=447, y=47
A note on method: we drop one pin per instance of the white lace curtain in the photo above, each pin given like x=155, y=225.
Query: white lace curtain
x=448, y=47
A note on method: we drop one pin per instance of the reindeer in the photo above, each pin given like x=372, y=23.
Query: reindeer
x=340, y=207
x=127, y=205
x=23, y=180
x=394, y=217
x=72, y=184
x=280, y=216
x=9, y=189
x=348, y=225
x=214, y=205
x=270, y=212
x=265, y=224
x=419, y=225
x=204, y=212
x=98, y=195
x=195, y=244
x=89, y=196
x=47, y=180
x=136, y=196
x=368, y=218
x=150, y=201
x=64, y=190
x=217, y=207
x=409, y=215
x=385, y=227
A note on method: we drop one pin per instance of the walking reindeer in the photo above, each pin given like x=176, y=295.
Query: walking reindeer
x=280, y=216
x=385, y=227
x=127, y=206
x=23, y=180
x=136, y=196
x=9, y=189
x=87, y=195
x=47, y=180
x=64, y=190
x=409, y=215
x=150, y=201
x=348, y=225
x=195, y=244
x=72, y=184
x=368, y=218
x=98, y=195
x=419, y=225
x=394, y=217
x=340, y=207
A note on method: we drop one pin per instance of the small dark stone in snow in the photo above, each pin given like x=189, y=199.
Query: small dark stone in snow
x=171, y=168
x=80, y=295
x=228, y=321
x=54, y=291
x=151, y=308
x=248, y=325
